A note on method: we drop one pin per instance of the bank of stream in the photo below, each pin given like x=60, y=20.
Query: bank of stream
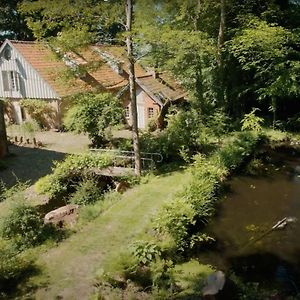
x=246, y=243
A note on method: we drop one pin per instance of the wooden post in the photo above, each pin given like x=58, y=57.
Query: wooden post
x=3, y=136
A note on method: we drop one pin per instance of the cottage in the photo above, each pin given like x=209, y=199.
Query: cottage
x=32, y=70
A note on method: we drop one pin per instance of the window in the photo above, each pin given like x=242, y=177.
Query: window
x=7, y=53
x=10, y=81
x=127, y=112
x=150, y=112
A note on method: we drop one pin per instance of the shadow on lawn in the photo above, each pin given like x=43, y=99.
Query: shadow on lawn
x=28, y=164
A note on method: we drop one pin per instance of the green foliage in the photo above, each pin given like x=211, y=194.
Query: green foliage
x=25, y=226
x=269, y=52
x=254, y=167
x=90, y=212
x=175, y=218
x=252, y=122
x=145, y=252
x=94, y=114
x=200, y=239
x=185, y=135
x=182, y=217
x=59, y=17
x=14, y=193
x=12, y=22
x=162, y=274
x=38, y=110
x=69, y=172
x=218, y=123
x=87, y=192
x=14, y=266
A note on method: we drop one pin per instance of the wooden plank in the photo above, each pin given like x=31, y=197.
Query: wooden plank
x=114, y=171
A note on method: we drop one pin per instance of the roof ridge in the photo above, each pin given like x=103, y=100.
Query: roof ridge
x=25, y=42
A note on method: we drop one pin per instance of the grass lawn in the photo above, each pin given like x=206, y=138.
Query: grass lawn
x=70, y=268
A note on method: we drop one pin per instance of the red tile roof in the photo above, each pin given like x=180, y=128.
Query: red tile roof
x=46, y=63
x=119, y=54
x=157, y=88
x=101, y=63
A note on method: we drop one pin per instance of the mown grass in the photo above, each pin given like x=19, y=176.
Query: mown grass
x=69, y=269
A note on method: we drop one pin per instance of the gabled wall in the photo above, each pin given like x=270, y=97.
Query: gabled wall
x=31, y=84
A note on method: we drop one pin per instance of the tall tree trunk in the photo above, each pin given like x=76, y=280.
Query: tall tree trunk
x=197, y=14
x=220, y=70
x=3, y=137
x=221, y=32
x=132, y=88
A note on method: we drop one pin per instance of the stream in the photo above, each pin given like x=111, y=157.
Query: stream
x=246, y=243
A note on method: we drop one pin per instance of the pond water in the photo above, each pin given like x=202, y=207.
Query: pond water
x=246, y=242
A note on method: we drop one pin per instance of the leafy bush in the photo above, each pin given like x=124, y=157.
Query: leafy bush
x=218, y=123
x=251, y=121
x=185, y=133
x=14, y=193
x=38, y=110
x=145, y=252
x=25, y=226
x=175, y=219
x=68, y=173
x=184, y=216
x=87, y=192
x=162, y=274
x=94, y=114
x=13, y=266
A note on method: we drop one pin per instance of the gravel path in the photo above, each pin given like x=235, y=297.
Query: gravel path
x=29, y=164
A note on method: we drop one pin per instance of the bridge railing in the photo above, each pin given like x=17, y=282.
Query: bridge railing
x=148, y=159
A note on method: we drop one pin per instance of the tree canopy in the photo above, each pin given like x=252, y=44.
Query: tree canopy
x=229, y=54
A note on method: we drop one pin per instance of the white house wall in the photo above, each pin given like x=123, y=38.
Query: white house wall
x=32, y=85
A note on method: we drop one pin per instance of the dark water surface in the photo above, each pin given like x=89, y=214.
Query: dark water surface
x=245, y=242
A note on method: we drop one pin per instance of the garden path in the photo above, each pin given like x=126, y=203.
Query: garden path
x=70, y=268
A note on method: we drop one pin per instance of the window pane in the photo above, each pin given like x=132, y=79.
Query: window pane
x=5, y=81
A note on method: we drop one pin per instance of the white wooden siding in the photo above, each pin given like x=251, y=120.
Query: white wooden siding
x=32, y=85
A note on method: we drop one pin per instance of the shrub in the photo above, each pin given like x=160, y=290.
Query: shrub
x=38, y=110
x=162, y=274
x=251, y=121
x=25, y=226
x=13, y=266
x=175, y=219
x=94, y=114
x=87, y=192
x=13, y=194
x=145, y=252
x=68, y=173
x=185, y=133
x=185, y=216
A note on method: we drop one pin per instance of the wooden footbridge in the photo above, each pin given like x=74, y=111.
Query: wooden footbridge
x=123, y=164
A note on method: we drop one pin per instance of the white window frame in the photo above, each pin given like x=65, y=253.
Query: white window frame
x=11, y=81
x=127, y=112
x=150, y=112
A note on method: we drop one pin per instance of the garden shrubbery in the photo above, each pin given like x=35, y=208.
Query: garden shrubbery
x=68, y=173
x=87, y=192
x=25, y=226
x=186, y=215
x=14, y=266
x=94, y=114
